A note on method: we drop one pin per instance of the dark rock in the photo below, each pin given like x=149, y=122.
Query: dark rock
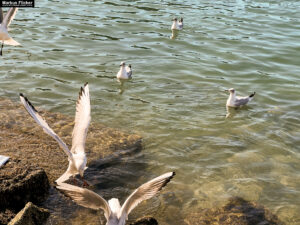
x=236, y=212
x=6, y=216
x=30, y=215
x=145, y=221
x=20, y=183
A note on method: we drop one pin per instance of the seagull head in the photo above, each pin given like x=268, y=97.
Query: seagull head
x=122, y=64
x=174, y=19
x=231, y=90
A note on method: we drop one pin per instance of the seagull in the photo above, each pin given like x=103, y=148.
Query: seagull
x=125, y=72
x=5, y=38
x=236, y=101
x=177, y=25
x=77, y=158
x=113, y=212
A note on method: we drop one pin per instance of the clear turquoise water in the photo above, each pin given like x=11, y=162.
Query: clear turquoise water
x=176, y=99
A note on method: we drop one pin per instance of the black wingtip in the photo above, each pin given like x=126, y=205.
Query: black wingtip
x=82, y=91
x=168, y=180
x=28, y=102
x=252, y=95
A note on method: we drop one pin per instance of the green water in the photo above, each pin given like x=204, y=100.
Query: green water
x=176, y=99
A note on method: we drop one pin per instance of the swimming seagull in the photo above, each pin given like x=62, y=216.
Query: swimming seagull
x=5, y=38
x=177, y=25
x=125, y=72
x=77, y=158
x=113, y=212
x=236, y=101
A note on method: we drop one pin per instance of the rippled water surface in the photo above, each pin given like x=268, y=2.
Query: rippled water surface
x=176, y=99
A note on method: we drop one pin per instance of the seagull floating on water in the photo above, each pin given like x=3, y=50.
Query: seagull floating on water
x=125, y=72
x=5, y=21
x=236, y=101
x=77, y=158
x=177, y=25
x=113, y=212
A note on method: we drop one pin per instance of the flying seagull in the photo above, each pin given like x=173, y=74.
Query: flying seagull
x=177, y=25
x=77, y=158
x=125, y=72
x=236, y=101
x=113, y=212
x=5, y=21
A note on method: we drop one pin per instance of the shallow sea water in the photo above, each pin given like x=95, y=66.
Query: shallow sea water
x=176, y=99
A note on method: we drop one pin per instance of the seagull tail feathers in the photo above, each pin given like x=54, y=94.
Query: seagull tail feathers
x=252, y=95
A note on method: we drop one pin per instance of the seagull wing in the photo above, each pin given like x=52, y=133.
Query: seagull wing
x=144, y=192
x=82, y=120
x=129, y=71
x=239, y=101
x=1, y=15
x=85, y=198
x=34, y=114
x=10, y=15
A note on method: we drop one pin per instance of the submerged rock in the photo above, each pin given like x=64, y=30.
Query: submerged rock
x=20, y=183
x=236, y=212
x=145, y=221
x=30, y=215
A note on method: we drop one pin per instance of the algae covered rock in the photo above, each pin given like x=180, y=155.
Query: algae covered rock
x=30, y=215
x=236, y=212
x=20, y=183
x=145, y=221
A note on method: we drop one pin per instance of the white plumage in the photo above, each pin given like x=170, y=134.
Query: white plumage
x=236, y=101
x=125, y=72
x=5, y=21
x=177, y=25
x=77, y=158
x=114, y=213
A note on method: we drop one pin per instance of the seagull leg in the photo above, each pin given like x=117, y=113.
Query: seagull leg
x=85, y=184
x=1, y=49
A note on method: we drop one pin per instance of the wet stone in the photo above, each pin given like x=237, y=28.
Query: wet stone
x=30, y=215
x=20, y=182
x=236, y=212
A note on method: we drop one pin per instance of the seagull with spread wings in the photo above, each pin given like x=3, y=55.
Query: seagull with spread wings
x=113, y=212
x=5, y=21
x=77, y=158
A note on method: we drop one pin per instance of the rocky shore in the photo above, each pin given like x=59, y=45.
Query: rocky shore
x=37, y=160
x=20, y=183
